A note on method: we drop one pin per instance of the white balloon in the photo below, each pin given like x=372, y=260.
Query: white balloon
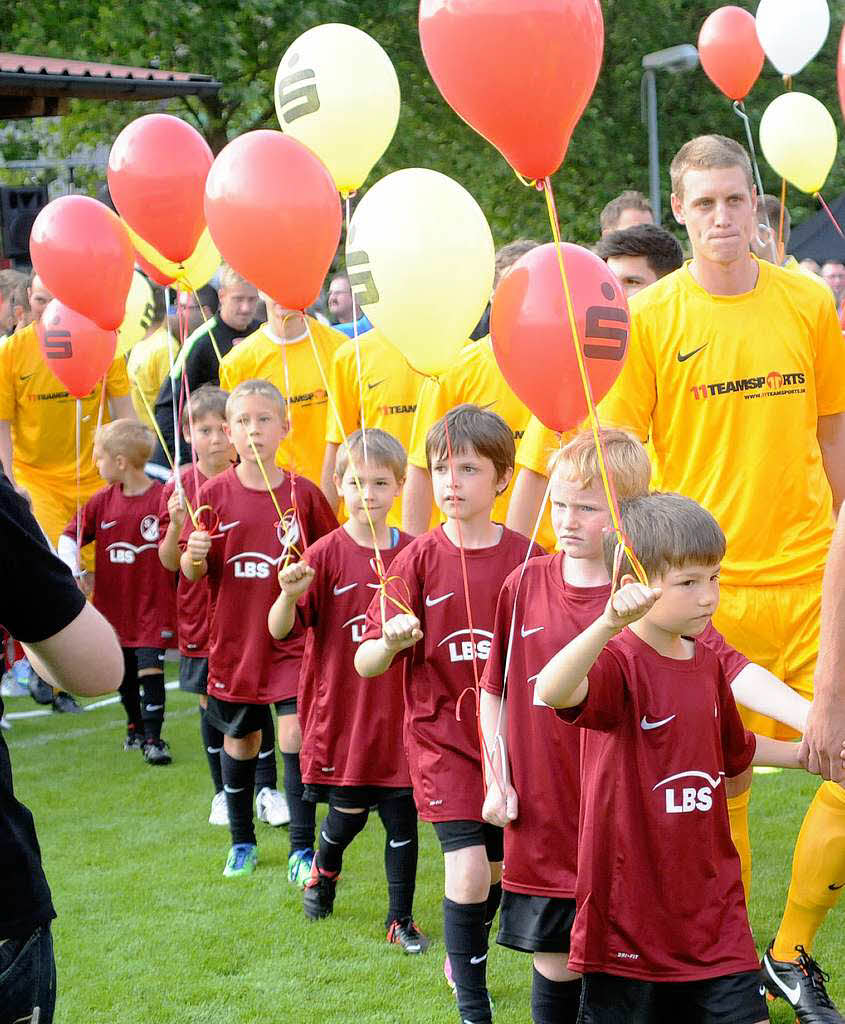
x=792, y=32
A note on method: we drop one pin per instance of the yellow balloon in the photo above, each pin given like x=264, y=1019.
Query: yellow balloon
x=798, y=138
x=420, y=259
x=337, y=93
x=140, y=310
x=197, y=269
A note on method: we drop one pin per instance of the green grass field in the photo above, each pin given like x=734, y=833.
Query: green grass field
x=149, y=932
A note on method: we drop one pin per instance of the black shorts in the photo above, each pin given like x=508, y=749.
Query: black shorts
x=353, y=797
x=461, y=834
x=730, y=999
x=286, y=706
x=145, y=657
x=193, y=674
x=535, y=924
x=235, y=719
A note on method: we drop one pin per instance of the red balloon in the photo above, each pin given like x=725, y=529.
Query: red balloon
x=157, y=170
x=520, y=72
x=730, y=51
x=532, y=340
x=77, y=351
x=153, y=273
x=83, y=255
x=840, y=71
x=274, y=213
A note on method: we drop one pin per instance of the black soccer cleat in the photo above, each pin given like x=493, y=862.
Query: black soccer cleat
x=156, y=752
x=318, y=894
x=65, y=704
x=405, y=933
x=801, y=983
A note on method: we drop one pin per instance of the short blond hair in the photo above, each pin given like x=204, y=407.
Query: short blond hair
x=707, y=153
x=666, y=531
x=230, y=278
x=625, y=459
x=129, y=438
x=382, y=450
x=257, y=386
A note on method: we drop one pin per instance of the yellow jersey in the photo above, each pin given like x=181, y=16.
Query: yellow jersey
x=730, y=389
x=148, y=369
x=537, y=446
x=43, y=414
x=264, y=355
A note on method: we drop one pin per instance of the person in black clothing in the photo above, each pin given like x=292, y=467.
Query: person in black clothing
x=235, y=319
x=68, y=641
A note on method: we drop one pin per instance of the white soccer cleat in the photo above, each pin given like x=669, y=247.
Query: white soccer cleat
x=219, y=811
x=272, y=807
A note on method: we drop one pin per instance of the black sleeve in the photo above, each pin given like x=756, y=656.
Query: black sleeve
x=201, y=366
x=39, y=597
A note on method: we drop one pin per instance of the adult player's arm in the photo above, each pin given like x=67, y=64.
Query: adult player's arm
x=831, y=435
x=417, y=495
x=118, y=391
x=526, y=499
x=327, y=476
x=757, y=689
x=417, y=499
x=84, y=657
x=6, y=451
x=824, y=732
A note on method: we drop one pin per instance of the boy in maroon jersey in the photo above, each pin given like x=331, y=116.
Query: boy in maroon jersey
x=132, y=589
x=661, y=931
x=247, y=669
x=471, y=455
x=352, y=750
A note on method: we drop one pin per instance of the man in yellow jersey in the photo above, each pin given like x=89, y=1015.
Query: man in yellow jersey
x=638, y=256
x=282, y=352
x=474, y=378
x=734, y=370
x=385, y=396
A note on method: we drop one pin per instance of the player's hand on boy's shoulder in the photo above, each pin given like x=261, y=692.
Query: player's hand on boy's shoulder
x=176, y=509
x=500, y=808
x=629, y=603
x=199, y=544
x=400, y=632
x=85, y=582
x=295, y=579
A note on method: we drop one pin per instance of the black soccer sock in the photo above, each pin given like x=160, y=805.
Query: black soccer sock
x=494, y=898
x=401, y=850
x=465, y=937
x=212, y=741
x=129, y=695
x=554, y=1002
x=265, y=773
x=238, y=780
x=302, y=814
x=336, y=833
x=152, y=708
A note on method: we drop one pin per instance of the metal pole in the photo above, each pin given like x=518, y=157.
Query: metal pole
x=650, y=84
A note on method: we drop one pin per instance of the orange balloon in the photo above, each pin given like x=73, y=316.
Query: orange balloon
x=83, y=255
x=730, y=51
x=520, y=72
x=153, y=273
x=532, y=340
x=274, y=213
x=76, y=350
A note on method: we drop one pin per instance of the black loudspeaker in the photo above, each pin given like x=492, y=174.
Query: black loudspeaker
x=19, y=206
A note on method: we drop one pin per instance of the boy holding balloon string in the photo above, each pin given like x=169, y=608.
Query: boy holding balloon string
x=262, y=516
x=448, y=580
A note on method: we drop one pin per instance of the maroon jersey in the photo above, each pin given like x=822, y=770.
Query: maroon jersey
x=245, y=664
x=132, y=588
x=351, y=727
x=541, y=845
x=193, y=600
x=659, y=891
x=444, y=754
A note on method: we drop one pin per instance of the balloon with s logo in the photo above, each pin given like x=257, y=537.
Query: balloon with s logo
x=140, y=310
x=75, y=349
x=420, y=260
x=532, y=340
x=336, y=91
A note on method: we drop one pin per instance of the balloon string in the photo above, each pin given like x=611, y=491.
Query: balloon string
x=609, y=489
x=781, y=219
x=357, y=345
x=194, y=468
x=78, y=473
x=739, y=110
x=284, y=520
x=167, y=455
x=830, y=213
x=207, y=323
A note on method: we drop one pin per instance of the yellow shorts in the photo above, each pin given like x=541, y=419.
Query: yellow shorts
x=54, y=504
x=778, y=628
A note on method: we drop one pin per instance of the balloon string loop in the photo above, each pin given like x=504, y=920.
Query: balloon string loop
x=146, y=403
x=776, y=247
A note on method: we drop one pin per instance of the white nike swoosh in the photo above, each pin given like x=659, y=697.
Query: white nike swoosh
x=396, y=845
x=223, y=527
x=527, y=632
x=324, y=836
x=645, y=724
x=154, y=707
x=792, y=993
x=266, y=753
x=108, y=526
x=232, y=790
x=342, y=590
x=430, y=601
x=476, y=960
x=214, y=750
